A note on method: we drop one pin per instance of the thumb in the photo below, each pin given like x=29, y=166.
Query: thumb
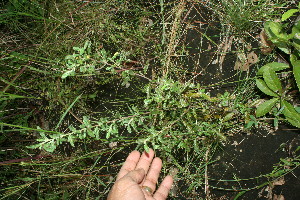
x=136, y=175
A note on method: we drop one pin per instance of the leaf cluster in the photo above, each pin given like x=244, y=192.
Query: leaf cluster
x=268, y=81
x=174, y=115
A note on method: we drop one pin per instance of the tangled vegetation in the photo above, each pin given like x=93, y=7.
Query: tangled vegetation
x=82, y=82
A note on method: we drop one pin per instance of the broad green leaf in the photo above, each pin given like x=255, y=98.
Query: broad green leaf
x=275, y=66
x=272, y=28
x=274, y=31
x=289, y=109
x=291, y=114
x=296, y=44
x=293, y=58
x=266, y=107
x=296, y=71
x=261, y=84
x=272, y=80
x=294, y=122
x=283, y=46
x=295, y=31
x=288, y=14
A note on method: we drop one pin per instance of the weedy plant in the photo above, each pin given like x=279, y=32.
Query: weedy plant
x=84, y=46
x=268, y=81
x=173, y=115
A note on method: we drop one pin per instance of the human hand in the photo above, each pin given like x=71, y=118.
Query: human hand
x=137, y=179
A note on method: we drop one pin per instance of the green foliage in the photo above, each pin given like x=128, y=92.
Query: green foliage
x=278, y=34
x=268, y=81
x=70, y=51
x=265, y=107
x=238, y=14
x=84, y=62
x=173, y=115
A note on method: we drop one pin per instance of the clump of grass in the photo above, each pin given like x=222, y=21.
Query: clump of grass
x=239, y=14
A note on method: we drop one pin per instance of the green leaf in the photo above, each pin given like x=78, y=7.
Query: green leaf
x=291, y=114
x=228, y=117
x=68, y=73
x=275, y=66
x=80, y=50
x=249, y=124
x=288, y=14
x=283, y=46
x=86, y=121
x=275, y=122
x=261, y=84
x=34, y=146
x=70, y=139
x=146, y=148
x=296, y=71
x=273, y=29
x=50, y=147
x=90, y=133
x=129, y=128
x=97, y=132
x=109, y=131
x=272, y=80
x=266, y=107
x=42, y=134
x=294, y=122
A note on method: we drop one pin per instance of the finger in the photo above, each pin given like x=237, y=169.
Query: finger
x=145, y=160
x=129, y=164
x=164, y=188
x=136, y=175
x=153, y=174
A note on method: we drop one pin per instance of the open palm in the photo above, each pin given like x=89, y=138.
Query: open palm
x=138, y=177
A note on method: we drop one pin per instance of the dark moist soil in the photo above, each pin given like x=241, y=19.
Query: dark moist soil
x=254, y=155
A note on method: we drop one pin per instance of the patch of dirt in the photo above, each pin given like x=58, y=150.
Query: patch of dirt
x=250, y=157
